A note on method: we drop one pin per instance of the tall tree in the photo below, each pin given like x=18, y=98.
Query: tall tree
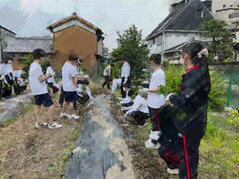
x=132, y=48
x=221, y=45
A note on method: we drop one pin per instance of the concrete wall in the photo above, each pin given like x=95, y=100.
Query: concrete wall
x=77, y=40
x=222, y=9
x=218, y=4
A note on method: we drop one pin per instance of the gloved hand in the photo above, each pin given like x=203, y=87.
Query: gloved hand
x=168, y=97
x=86, y=76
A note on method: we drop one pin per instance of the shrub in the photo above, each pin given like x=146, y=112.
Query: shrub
x=234, y=118
x=217, y=94
x=28, y=59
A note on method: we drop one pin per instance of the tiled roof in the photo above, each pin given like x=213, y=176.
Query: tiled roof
x=7, y=29
x=183, y=17
x=27, y=45
x=73, y=17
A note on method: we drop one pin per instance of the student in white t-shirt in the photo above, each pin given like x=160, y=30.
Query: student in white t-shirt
x=69, y=82
x=155, y=100
x=106, y=74
x=50, y=81
x=39, y=90
x=139, y=110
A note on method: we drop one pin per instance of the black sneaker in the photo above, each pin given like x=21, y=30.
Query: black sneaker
x=41, y=124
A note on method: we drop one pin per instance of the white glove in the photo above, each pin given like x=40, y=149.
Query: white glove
x=168, y=97
x=80, y=95
x=86, y=76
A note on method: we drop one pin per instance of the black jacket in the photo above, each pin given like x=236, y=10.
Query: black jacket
x=188, y=113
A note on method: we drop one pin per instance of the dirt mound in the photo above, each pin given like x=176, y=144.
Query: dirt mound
x=147, y=163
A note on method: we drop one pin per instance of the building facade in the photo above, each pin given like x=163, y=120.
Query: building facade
x=181, y=25
x=76, y=35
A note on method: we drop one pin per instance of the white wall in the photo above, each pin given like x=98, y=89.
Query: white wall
x=172, y=39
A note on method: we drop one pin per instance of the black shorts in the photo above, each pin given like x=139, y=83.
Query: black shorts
x=43, y=99
x=50, y=85
x=70, y=97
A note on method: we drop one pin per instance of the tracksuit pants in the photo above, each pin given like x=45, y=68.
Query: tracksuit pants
x=139, y=117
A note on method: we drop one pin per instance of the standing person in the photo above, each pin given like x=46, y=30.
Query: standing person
x=39, y=90
x=50, y=81
x=189, y=114
x=155, y=100
x=106, y=74
x=69, y=83
x=125, y=74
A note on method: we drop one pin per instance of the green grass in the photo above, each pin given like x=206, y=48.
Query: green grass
x=57, y=167
x=219, y=149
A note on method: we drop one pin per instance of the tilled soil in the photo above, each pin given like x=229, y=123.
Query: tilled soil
x=27, y=152
x=147, y=163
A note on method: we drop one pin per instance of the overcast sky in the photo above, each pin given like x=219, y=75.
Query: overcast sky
x=31, y=17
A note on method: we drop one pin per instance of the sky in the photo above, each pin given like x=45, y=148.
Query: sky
x=32, y=17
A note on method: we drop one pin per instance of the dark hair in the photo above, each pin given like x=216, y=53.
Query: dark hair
x=73, y=57
x=193, y=49
x=38, y=53
x=131, y=92
x=156, y=58
x=48, y=64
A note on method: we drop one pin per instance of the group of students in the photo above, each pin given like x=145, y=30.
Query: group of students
x=178, y=120
x=74, y=84
x=11, y=80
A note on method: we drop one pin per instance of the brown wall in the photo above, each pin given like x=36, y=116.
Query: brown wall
x=77, y=40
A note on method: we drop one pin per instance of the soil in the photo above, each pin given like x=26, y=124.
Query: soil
x=27, y=152
x=147, y=163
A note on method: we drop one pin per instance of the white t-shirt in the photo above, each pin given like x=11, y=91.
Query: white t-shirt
x=36, y=86
x=49, y=70
x=1, y=69
x=140, y=104
x=17, y=74
x=68, y=72
x=125, y=70
x=107, y=71
x=156, y=100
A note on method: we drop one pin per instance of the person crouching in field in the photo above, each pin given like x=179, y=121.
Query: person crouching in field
x=39, y=89
x=139, y=110
x=70, y=85
x=184, y=116
x=155, y=100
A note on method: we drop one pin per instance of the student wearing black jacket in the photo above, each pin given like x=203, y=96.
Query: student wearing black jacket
x=184, y=118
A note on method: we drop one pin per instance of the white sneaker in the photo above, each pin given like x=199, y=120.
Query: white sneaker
x=150, y=145
x=54, y=125
x=41, y=124
x=63, y=115
x=173, y=171
x=73, y=116
x=154, y=135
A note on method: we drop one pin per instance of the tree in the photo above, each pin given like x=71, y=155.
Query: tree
x=222, y=39
x=132, y=48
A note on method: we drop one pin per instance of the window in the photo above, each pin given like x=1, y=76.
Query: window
x=231, y=5
x=199, y=13
x=224, y=6
x=153, y=41
x=234, y=15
